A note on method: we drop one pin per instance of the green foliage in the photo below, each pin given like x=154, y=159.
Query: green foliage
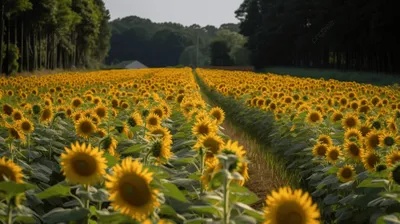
x=220, y=53
x=13, y=54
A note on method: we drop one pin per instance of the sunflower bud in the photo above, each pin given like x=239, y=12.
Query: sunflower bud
x=396, y=173
x=36, y=109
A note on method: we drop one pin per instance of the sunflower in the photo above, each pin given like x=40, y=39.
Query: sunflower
x=371, y=141
x=83, y=164
x=212, y=167
x=395, y=174
x=153, y=121
x=386, y=139
x=287, y=206
x=393, y=157
x=332, y=154
x=130, y=190
x=161, y=150
x=162, y=132
x=212, y=142
x=84, y=127
x=346, y=173
x=46, y=115
x=17, y=115
x=26, y=125
x=240, y=165
x=158, y=110
x=204, y=127
x=336, y=116
x=353, y=134
x=314, y=117
x=109, y=143
x=350, y=121
x=320, y=149
x=365, y=129
x=76, y=102
x=7, y=109
x=14, y=132
x=10, y=171
x=218, y=114
x=391, y=124
x=135, y=120
x=76, y=116
x=101, y=111
x=370, y=159
x=353, y=150
x=325, y=139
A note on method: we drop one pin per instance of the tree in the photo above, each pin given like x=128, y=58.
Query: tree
x=220, y=53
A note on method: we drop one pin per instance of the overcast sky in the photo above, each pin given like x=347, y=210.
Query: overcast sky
x=186, y=12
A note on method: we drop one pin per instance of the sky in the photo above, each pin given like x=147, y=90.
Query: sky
x=186, y=12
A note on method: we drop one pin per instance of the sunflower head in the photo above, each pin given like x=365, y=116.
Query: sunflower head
x=47, y=115
x=85, y=127
x=371, y=141
x=10, y=171
x=212, y=166
x=135, y=120
x=370, y=159
x=352, y=134
x=26, y=125
x=218, y=114
x=386, y=139
x=101, y=111
x=212, y=143
x=83, y=164
x=153, y=120
x=346, y=173
x=288, y=206
x=36, y=109
x=395, y=174
x=204, y=127
x=320, y=149
x=130, y=190
x=353, y=150
x=350, y=121
x=333, y=154
x=314, y=117
x=17, y=115
x=325, y=139
x=76, y=102
x=7, y=109
x=380, y=167
x=393, y=157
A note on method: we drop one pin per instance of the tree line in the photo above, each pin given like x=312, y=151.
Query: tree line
x=51, y=34
x=347, y=35
x=171, y=44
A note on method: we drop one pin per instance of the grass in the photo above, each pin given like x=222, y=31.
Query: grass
x=379, y=79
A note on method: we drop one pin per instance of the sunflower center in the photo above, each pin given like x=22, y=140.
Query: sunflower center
x=337, y=117
x=135, y=191
x=101, y=112
x=373, y=141
x=354, y=150
x=153, y=121
x=6, y=172
x=203, y=129
x=26, y=126
x=346, y=173
x=334, y=155
x=321, y=150
x=86, y=127
x=373, y=160
x=314, y=117
x=46, y=114
x=389, y=141
x=351, y=122
x=17, y=116
x=159, y=112
x=212, y=145
x=132, y=122
x=156, y=149
x=217, y=115
x=290, y=213
x=85, y=165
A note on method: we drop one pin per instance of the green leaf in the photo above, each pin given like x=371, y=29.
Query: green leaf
x=370, y=183
x=167, y=210
x=242, y=194
x=389, y=219
x=54, y=191
x=101, y=195
x=171, y=190
x=199, y=221
x=24, y=219
x=250, y=211
x=61, y=215
x=218, y=179
x=105, y=217
x=331, y=199
x=206, y=209
x=12, y=189
x=244, y=219
x=111, y=160
x=133, y=149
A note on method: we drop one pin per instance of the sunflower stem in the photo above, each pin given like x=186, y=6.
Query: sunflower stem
x=78, y=199
x=29, y=148
x=9, y=214
x=146, y=158
x=201, y=169
x=87, y=206
x=226, y=199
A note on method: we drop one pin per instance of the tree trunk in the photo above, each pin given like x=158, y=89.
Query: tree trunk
x=7, y=66
x=21, y=65
x=1, y=36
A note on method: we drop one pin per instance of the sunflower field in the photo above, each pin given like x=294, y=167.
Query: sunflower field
x=342, y=138
x=126, y=147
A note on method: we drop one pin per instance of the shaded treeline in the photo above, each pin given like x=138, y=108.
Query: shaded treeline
x=348, y=35
x=51, y=34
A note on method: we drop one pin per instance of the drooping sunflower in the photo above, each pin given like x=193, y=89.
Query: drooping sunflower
x=83, y=164
x=392, y=158
x=46, y=115
x=14, y=132
x=161, y=150
x=160, y=132
x=212, y=167
x=287, y=206
x=135, y=120
x=333, y=153
x=353, y=134
x=320, y=149
x=212, y=143
x=370, y=159
x=325, y=139
x=387, y=139
x=314, y=117
x=26, y=125
x=346, y=173
x=7, y=109
x=218, y=114
x=204, y=127
x=85, y=127
x=153, y=121
x=10, y=170
x=353, y=150
x=336, y=116
x=371, y=141
x=350, y=121
x=240, y=165
x=130, y=190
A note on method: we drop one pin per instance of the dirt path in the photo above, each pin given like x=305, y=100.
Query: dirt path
x=263, y=176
